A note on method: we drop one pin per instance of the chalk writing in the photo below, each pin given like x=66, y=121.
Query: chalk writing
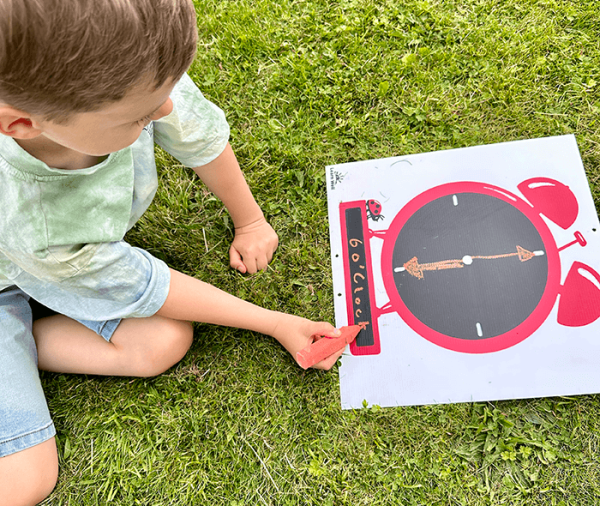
x=361, y=304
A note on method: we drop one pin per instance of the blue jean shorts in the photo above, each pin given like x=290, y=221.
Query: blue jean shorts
x=24, y=417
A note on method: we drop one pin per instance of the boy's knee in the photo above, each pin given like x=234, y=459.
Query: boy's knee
x=175, y=339
x=29, y=476
x=43, y=486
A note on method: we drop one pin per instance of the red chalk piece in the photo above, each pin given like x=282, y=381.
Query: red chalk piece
x=326, y=346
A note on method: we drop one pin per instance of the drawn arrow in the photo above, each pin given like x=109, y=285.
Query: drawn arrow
x=414, y=268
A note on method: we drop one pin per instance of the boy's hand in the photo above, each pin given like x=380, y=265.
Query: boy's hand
x=253, y=247
x=255, y=241
x=296, y=333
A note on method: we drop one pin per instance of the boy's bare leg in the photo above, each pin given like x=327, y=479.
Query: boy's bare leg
x=139, y=347
x=27, y=477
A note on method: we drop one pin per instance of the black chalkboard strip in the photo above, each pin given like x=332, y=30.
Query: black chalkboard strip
x=358, y=274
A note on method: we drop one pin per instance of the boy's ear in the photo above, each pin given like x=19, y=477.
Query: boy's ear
x=17, y=124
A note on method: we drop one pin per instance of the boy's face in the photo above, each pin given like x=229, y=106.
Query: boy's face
x=114, y=126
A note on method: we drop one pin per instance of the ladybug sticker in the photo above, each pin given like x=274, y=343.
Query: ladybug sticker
x=374, y=210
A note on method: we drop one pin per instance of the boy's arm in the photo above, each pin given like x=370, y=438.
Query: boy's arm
x=193, y=300
x=255, y=240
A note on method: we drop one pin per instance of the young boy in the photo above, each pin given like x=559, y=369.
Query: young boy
x=86, y=88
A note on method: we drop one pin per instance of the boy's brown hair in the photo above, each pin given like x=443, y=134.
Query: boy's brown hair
x=59, y=57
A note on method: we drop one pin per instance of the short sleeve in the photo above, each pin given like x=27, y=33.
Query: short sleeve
x=101, y=281
x=196, y=131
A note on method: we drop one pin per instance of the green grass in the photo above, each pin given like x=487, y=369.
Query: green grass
x=305, y=84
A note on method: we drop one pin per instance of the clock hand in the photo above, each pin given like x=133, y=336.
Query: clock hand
x=522, y=253
x=414, y=268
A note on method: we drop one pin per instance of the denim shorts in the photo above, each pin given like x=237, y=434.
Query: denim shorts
x=24, y=417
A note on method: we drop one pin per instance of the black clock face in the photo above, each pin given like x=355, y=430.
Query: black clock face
x=470, y=267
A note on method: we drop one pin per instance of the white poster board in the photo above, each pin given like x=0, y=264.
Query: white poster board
x=476, y=270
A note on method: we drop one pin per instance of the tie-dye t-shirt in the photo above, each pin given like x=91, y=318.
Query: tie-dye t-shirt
x=61, y=231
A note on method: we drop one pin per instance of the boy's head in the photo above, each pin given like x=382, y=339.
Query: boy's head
x=63, y=57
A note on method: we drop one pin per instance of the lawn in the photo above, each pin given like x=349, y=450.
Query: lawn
x=306, y=83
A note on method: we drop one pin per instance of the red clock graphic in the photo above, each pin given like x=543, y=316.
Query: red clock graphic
x=469, y=266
